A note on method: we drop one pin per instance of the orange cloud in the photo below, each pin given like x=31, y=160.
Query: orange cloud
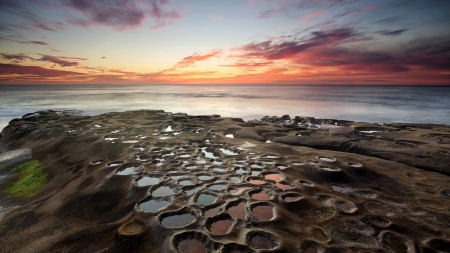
x=192, y=59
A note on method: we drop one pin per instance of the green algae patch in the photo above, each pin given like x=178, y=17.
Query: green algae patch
x=28, y=177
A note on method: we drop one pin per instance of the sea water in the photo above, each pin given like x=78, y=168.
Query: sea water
x=373, y=104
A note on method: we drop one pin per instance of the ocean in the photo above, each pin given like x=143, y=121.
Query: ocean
x=374, y=104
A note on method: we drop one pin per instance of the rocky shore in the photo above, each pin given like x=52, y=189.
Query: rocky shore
x=152, y=181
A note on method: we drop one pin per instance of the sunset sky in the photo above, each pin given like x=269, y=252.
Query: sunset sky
x=225, y=42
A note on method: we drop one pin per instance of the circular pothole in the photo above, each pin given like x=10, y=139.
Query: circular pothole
x=258, y=239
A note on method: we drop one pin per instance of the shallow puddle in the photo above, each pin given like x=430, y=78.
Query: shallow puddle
x=327, y=159
x=263, y=212
x=261, y=240
x=131, y=141
x=237, y=211
x=218, y=169
x=114, y=165
x=229, y=136
x=344, y=206
x=256, y=166
x=255, y=173
x=273, y=176
x=97, y=162
x=283, y=186
x=319, y=234
x=206, y=199
x=185, y=156
x=228, y=152
x=291, y=197
x=217, y=187
x=262, y=195
x=217, y=162
x=163, y=191
x=235, y=179
x=220, y=227
x=191, y=167
x=152, y=206
x=208, y=154
x=177, y=220
x=356, y=165
x=205, y=177
x=282, y=167
x=128, y=171
x=236, y=191
x=186, y=182
x=329, y=168
x=189, y=192
x=212, y=212
x=176, y=176
x=394, y=243
x=306, y=183
x=191, y=246
x=270, y=156
x=342, y=189
x=145, y=181
x=241, y=171
x=257, y=181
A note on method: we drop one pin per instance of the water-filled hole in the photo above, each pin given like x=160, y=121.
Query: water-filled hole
x=177, y=220
x=260, y=195
x=394, y=242
x=283, y=185
x=262, y=211
x=262, y=240
x=114, y=165
x=327, y=159
x=147, y=180
x=273, y=176
x=206, y=199
x=291, y=197
x=129, y=169
x=164, y=190
x=237, y=210
x=153, y=205
x=218, y=187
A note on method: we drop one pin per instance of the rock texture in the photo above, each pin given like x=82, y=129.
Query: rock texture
x=9, y=158
x=151, y=181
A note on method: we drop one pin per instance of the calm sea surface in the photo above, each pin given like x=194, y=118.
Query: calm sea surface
x=375, y=104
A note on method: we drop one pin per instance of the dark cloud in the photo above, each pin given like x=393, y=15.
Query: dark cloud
x=9, y=69
x=327, y=49
x=393, y=33
x=36, y=42
x=123, y=14
x=355, y=11
x=32, y=21
x=287, y=49
x=16, y=57
x=59, y=61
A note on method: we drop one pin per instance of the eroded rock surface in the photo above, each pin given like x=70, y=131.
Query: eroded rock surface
x=151, y=181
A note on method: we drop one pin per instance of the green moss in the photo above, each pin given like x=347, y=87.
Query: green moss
x=28, y=177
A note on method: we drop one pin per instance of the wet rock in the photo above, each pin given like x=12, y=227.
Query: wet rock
x=10, y=158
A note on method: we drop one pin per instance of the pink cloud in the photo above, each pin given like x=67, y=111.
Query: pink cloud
x=311, y=15
x=190, y=60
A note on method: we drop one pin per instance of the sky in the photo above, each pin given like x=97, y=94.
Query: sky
x=225, y=42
